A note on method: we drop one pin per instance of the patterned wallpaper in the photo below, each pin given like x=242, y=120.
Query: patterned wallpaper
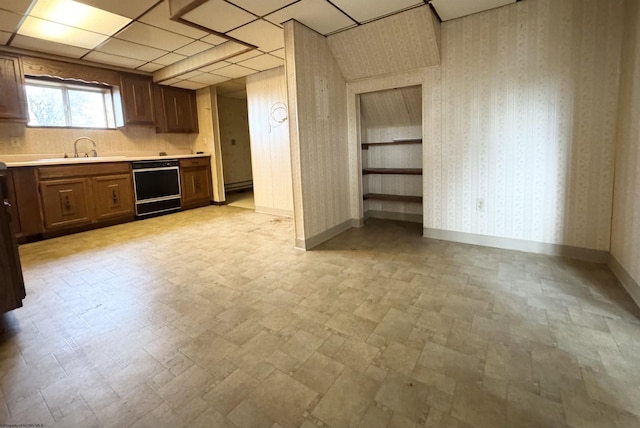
x=529, y=106
x=270, y=146
x=625, y=242
x=320, y=153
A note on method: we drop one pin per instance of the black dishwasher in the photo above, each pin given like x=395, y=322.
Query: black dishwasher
x=157, y=186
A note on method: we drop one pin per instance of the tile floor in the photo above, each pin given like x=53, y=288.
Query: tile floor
x=210, y=318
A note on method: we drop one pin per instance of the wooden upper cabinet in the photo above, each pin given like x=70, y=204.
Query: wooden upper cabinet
x=136, y=92
x=176, y=110
x=13, y=100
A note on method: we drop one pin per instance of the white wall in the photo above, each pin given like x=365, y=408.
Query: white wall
x=270, y=147
x=625, y=240
x=529, y=106
x=318, y=130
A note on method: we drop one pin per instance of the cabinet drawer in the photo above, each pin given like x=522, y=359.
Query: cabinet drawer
x=186, y=163
x=62, y=171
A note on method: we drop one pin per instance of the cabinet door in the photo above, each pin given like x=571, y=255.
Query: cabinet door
x=113, y=196
x=196, y=189
x=13, y=101
x=65, y=202
x=11, y=282
x=137, y=100
x=179, y=110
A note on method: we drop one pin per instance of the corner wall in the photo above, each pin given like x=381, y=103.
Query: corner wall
x=625, y=239
x=318, y=132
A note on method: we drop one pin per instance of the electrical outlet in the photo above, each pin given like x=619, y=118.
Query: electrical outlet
x=15, y=142
x=480, y=204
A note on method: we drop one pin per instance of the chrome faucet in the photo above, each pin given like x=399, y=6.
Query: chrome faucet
x=93, y=151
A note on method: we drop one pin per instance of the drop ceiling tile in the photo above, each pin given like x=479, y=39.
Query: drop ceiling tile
x=245, y=56
x=120, y=61
x=131, y=50
x=159, y=17
x=219, y=16
x=4, y=37
x=263, y=7
x=215, y=66
x=18, y=6
x=318, y=15
x=9, y=21
x=170, y=82
x=154, y=37
x=212, y=39
x=263, y=62
x=265, y=35
x=233, y=71
x=187, y=84
x=194, y=48
x=366, y=10
x=47, y=46
x=151, y=67
x=279, y=53
x=169, y=59
x=79, y=15
x=448, y=10
x=129, y=8
x=209, y=79
x=189, y=75
x=53, y=32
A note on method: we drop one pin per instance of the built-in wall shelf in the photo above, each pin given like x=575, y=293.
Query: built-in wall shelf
x=398, y=198
x=365, y=146
x=397, y=171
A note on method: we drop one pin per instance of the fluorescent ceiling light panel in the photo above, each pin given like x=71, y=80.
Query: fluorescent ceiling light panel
x=71, y=23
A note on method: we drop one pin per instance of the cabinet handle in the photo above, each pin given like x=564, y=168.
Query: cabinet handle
x=67, y=203
x=196, y=183
x=114, y=196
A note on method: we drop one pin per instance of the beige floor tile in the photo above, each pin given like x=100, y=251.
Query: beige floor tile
x=405, y=396
x=356, y=355
x=478, y=407
x=236, y=387
x=396, y=325
x=351, y=325
x=400, y=358
x=246, y=415
x=318, y=372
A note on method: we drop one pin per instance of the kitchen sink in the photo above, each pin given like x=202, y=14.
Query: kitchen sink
x=83, y=159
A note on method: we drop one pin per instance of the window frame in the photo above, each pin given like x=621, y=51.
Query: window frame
x=66, y=85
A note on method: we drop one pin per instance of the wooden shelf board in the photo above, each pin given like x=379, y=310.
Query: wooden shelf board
x=365, y=146
x=398, y=198
x=398, y=171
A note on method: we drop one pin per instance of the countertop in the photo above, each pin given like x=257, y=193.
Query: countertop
x=48, y=160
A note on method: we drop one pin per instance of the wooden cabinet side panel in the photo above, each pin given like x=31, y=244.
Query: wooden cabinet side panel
x=12, y=289
x=29, y=211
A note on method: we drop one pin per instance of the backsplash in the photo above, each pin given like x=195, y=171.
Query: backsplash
x=16, y=139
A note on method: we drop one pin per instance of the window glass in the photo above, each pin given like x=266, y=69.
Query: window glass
x=63, y=104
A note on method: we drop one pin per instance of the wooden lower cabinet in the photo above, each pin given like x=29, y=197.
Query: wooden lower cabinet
x=195, y=180
x=113, y=196
x=82, y=195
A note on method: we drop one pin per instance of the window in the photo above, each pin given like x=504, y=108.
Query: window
x=62, y=104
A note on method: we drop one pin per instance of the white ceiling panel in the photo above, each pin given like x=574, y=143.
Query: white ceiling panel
x=315, y=14
x=150, y=67
x=19, y=6
x=170, y=81
x=212, y=39
x=216, y=66
x=266, y=36
x=131, y=50
x=155, y=37
x=159, y=17
x=194, y=48
x=120, y=61
x=187, y=84
x=234, y=71
x=78, y=15
x=37, y=28
x=279, y=53
x=209, y=79
x=263, y=7
x=129, y=8
x=9, y=21
x=169, y=59
x=190, y=75
x=448, y=9
x=4, y=37
x=263, y=62
x=47, y=46
x=366, y=10
x=245, y=56
x=219, y=16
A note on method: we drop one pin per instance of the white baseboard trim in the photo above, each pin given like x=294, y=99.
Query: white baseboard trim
x=274, y=211
x=586, y=254
x=627, y=281
x=314, y=241
x=390, y=215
